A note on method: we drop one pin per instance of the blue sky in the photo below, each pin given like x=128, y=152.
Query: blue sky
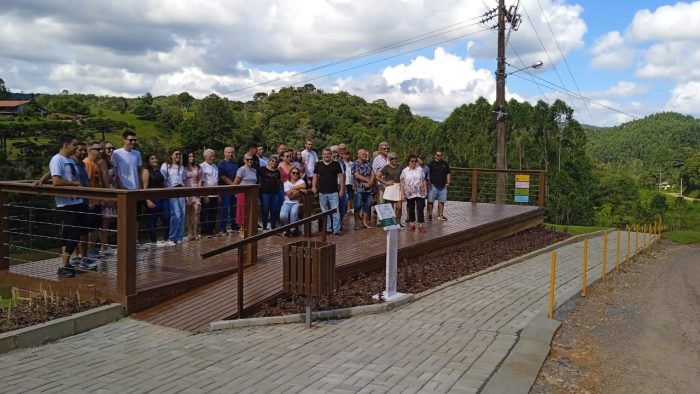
x=632, y=58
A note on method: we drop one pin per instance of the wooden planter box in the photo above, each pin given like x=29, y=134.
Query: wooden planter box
x=309, y=268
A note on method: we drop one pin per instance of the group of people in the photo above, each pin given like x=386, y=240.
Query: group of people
x=340, y=182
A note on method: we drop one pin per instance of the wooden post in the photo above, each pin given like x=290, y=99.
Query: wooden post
x=552, y=280
x=644, y=236
x=323, y=228
x=628, y=246
x=475, y=185
x=4, y=235
x=542, y=188
x=251, y=224
x=240, y=282
x=307, y=213
x=636, y=240
x=127, y=235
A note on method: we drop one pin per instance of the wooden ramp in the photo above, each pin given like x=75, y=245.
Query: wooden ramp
x=357, y=251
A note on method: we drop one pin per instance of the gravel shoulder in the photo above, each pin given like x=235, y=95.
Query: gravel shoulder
x=639, y=331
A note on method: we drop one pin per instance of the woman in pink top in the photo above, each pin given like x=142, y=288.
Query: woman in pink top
x=193, y=178
x=413, y=190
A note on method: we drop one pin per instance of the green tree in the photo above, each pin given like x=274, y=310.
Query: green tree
x=169, y=120
x=4, y=92
x=211, y=126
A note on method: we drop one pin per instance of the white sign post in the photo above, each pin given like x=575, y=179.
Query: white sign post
x=387, y=219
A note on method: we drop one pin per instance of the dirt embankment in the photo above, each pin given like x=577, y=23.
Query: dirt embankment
x=638, y=332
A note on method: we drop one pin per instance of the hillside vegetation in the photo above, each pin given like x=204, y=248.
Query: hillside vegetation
x=595, y=176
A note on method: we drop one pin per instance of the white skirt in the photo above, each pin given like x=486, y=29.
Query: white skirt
x=393, y=192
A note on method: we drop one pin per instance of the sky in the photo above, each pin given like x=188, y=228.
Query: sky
x=612, y=61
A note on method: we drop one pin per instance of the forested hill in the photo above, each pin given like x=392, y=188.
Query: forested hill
x=658, y=141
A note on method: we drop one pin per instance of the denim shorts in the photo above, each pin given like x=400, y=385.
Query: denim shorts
x=437, y=194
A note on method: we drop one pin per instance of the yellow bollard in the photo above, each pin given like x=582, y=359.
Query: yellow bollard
x=636, y=240
x=628, y=246
x=551, y=284
x=617, y=251
x=644, y=240
x=605, y=254
x=585, y=267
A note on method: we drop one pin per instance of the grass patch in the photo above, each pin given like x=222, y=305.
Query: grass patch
x=573, y=230
x=683, y=236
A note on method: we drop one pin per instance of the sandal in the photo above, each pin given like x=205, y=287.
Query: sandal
x=421, y=228
x=411, y=227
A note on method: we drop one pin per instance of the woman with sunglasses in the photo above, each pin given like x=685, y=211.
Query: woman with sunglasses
x=156, y=208
x=293, y=189
x=414, y=191
x=174, y=174
x=390, y=177
x=270, y=183
x=193, y=204
x=246, y=175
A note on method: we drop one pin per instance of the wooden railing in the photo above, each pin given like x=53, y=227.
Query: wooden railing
x=253, y=240
x=479, y=185
x=127, y=223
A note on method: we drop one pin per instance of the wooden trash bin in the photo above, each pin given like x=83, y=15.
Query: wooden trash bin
x=309, y=268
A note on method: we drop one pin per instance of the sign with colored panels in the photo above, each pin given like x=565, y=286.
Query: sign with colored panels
x=522, y=188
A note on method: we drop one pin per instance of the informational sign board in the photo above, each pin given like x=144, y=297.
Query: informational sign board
x=387, y=216
x=522, y=188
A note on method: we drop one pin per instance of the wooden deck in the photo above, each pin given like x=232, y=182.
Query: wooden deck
x=176, y=288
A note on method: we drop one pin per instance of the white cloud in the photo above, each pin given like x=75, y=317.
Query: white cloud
x=621, y=89
x=685, y=98
x=673, y=60
x=610, y=52
x=431, y=87
x=678, y=22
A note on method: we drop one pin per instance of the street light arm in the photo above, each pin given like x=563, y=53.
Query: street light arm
x=536, y=65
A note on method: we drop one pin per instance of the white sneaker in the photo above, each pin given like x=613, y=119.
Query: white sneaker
x=108, y=251
x=169, y=243
x=142, y=247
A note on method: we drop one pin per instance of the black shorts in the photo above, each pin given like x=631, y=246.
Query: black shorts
x=93, y=218
x=73, y=221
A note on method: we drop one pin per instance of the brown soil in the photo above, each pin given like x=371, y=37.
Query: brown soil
x=637, y=332
x=421, y=274
x=43, y=308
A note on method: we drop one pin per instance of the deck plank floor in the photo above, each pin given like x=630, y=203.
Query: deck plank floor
x=356, y=251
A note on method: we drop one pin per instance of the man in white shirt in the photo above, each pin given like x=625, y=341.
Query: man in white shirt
x=309, y=157
x=64, y=172
x=210, y=203
x=127, y=163
x=378, y=163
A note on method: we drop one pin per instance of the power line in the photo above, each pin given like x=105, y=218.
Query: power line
x=553, y=86
x=379, y=60
x=547, y=54
x=566, y=63
x=411, y=40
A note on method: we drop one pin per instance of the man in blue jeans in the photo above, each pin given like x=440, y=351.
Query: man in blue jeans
x=227, y=174
x=439, y=182
x=329, y=183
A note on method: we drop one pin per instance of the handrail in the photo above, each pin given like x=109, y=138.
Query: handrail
x=541, y=174
x=253, y=241
x=27, y=187
x=266, y=234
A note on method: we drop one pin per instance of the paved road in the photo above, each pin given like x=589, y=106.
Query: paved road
x=449, y=341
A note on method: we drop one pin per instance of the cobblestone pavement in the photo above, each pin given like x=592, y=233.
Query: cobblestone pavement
x=449, y=341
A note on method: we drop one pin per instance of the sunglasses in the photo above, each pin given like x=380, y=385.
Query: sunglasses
x=412, y=161
x=131, y=139
x=248, y=159
x=294, y=173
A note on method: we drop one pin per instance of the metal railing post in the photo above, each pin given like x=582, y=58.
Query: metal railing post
x=127, y=235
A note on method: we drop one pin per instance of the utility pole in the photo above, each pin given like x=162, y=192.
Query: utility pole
x=501, y=106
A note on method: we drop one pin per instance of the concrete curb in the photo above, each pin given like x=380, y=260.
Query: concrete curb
x=519, y=370
x=59, y=328
x=345, y=313
x=332, y=314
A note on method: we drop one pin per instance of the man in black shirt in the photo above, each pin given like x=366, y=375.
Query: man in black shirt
x=439, y=181
x=329, y=182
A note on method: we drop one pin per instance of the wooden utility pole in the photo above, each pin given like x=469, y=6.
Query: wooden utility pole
x=501, y=106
